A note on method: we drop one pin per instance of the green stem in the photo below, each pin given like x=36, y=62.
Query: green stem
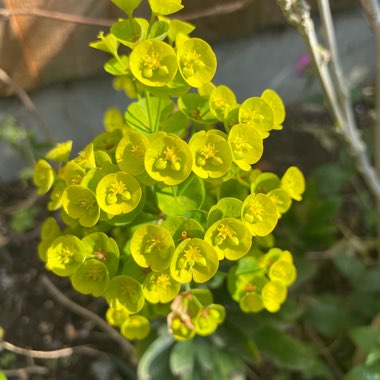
x=149, y=109
x=157, y=121
x=151, y=22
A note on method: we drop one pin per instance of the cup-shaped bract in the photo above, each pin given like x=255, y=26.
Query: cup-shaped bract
x=280, y=266
x=265, y=182
x=194, y=259
x=225, y=208
x=118, y=193
x=178, y=27
x=153, y=63
x=208, y=319
x=257, y=112
x=260, y=214
x=273, y=295
x=56, y=195
x=196, y=61
x=130, y=32
x=43, y=176
x=125, y=292
x=130, y=152
x=64, y=255
x=116, y=317
x=168, y=159
x=221, y=100
x=212, y=154
x=274, y=101
x=165, y=7
x=250, y=287
x=128, y=6
x=80, y=203
x=246, y=144
x=180, y=326
x=281, y=199
x=196, y=107
x=182, y=228
x=160, y=287
x=86, y=157
x=230, y=238
x=91, y=277
x=49, y=232
x=104, y=249
x=107, y=142
x=60, y=152
x=136, y=327
x=293, y=182
x=73, y=173
x=152, y=246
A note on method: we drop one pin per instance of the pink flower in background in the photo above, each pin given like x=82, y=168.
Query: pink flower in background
x=304, y=62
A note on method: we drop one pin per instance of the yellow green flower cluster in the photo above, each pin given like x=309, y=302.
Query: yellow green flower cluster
x=167, y=198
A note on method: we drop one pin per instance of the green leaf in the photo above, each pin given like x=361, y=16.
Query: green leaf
x=366, y=337
x=128, y=6
x=137, y=113
x=350, y=267
x=284, y=350
x=190, y=196
x=196, y=108
x=326, y=315
x=154, y=364
x=182, y=358
x=362, y=372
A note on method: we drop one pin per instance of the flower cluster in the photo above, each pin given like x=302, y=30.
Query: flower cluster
x=149, y=211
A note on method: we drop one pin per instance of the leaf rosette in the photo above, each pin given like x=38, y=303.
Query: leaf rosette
x=196, y=61
x=259, y=213
x=168, y=159
x=80, y=203
x=125, y=292
x=91, y=277
x=64, y=255
x=153, y=63
x=246, y=144
x=118, y=193
x=194, y=259
x=230, y=238
x=212, y=154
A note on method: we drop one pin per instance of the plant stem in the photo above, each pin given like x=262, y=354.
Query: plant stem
x=297, y=13
x=149, y=109
x=77, y=309
x=375, y=14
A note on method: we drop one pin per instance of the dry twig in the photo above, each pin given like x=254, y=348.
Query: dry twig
x=77, y=309
x=27, y=103
x=324, y=351
x=24, y=373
